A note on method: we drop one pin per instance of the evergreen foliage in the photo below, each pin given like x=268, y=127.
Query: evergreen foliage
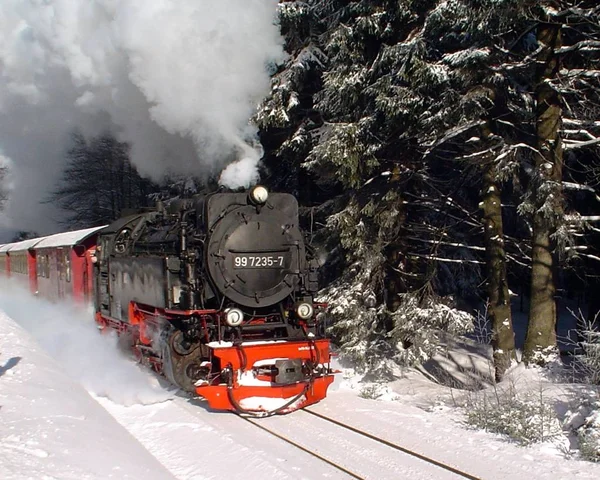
x=384, y=119
x=588, y=435
x=524, y=419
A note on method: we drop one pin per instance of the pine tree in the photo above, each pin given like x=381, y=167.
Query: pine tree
x=362, y=145
x=541, y=332
x=412, y=111
x=568, y=53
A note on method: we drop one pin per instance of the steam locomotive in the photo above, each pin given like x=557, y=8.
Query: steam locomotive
x=216, y=293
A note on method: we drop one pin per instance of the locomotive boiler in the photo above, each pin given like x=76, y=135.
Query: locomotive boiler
x=216, y=293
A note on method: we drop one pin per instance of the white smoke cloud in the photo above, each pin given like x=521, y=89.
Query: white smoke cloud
x=178, y=79
x=68, y=333
x=241, y=173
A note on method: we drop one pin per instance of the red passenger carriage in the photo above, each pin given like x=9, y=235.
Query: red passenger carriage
x=56, y=267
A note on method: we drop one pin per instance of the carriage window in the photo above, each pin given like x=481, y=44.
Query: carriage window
x=41, y=269
x=67, y=267
x=17, y=263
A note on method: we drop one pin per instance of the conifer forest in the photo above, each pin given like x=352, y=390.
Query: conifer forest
x=445, y=154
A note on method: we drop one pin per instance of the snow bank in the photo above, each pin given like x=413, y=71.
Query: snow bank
x=69, y=334
x=440, y=434
x=51, y=428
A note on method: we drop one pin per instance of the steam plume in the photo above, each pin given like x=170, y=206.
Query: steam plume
x=178, y=79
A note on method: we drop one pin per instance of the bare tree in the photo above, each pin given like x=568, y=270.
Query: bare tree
x=99, y=183
x=3, y=192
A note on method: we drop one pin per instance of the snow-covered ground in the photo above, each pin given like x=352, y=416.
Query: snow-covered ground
x=71, y=406
x=50, y=427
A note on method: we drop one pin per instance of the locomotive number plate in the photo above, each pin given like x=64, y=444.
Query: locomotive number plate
x=258, y=261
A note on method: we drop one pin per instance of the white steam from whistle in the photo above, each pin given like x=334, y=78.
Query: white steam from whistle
x=178, y=79
x=68, y=334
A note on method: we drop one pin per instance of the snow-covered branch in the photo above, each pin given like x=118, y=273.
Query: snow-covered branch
x=450, y=244
x=452, y=134
x=578, y=186
x=512, y=258
x=447, y=260
x=583, y=46
x=516, y=146
x=585, y=218
x=579, y=73
x=590, y=256
x=581, y=131
x=573, y=144
x=581, y=123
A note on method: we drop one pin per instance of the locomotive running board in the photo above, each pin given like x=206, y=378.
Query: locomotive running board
x=267, y=398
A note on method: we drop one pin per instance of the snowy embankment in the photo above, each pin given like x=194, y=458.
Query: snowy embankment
x=77, y=438
x=50, y=427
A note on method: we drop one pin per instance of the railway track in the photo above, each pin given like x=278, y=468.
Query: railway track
x=391, y=460
x=256, y=423
x=368, y=456
x=432, y=461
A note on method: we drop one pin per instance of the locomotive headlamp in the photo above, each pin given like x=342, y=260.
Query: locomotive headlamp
x=259, y=195
x=304, y=311
x=234, y=317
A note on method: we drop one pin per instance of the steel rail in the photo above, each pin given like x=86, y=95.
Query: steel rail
x=395, y=447
x=304, y=449
x=188, y=405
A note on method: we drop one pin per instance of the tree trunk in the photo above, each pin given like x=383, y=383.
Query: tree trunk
x=3, y=193
x=503, y=336
x=541, y=333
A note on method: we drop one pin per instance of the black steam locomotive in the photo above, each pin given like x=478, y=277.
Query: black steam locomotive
x=216, y=292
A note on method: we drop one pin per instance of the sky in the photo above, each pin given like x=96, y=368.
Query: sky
x=177, y=79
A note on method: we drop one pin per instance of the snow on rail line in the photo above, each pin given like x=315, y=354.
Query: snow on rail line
x=357, y=455
x=393, y=446
x=196, y=443
x=442, y=436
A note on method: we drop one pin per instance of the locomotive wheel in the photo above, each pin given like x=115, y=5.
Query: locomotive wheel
x=184, y=370
x=187, y=371
x=178, y=344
